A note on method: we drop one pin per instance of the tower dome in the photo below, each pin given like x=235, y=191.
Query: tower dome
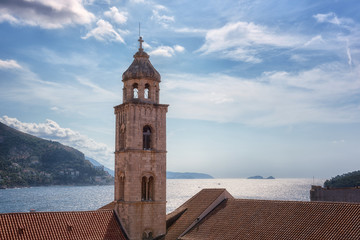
x=141, y=67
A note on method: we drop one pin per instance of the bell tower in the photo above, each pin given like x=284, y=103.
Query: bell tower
x=140, y=151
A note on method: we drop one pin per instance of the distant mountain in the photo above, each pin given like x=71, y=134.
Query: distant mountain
x=96, y=163
x=351, y=179
x=26, y=160
x=187, y=175
x=260, y=177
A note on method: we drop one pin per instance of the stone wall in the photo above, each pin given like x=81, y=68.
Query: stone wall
x=318, y=193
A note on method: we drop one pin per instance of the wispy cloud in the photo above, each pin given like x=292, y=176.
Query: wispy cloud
x=53, y=131
x=137, y=1
x=338, y=141
x=104, y=32
x=65, y=58
x=48, y=14
x=115, y=15
x=320, y=95
x=332, y=18
x=160, y=17
x=9, y=64
x=190, y=30
x=328, y=17
x=240, y=41
x=344, y=35
x=28, y=88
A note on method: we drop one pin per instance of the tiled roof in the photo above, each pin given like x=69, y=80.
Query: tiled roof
x=60, y=225
x=184, y=216
x=266, y=219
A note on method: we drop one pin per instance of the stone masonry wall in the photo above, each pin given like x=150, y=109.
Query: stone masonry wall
x=317, y=193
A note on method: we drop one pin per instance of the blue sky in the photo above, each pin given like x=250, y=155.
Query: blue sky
x=254, y=87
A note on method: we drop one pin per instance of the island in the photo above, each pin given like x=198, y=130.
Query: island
x=260, y=177
x=187, y=175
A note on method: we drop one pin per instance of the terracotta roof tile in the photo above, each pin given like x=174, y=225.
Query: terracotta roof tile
x=187, y=213
x=265, y=219
x=60, y=225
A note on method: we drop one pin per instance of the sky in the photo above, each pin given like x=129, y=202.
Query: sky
x=255, y=87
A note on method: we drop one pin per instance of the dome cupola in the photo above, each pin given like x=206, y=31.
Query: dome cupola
x=141, y=80
x=141, y=67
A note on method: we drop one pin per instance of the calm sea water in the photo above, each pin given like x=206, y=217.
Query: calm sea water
x=61, y=198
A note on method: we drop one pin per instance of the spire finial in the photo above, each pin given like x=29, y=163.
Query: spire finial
x=141, y=41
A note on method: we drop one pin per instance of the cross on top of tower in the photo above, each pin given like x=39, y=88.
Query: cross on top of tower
x=141, y=41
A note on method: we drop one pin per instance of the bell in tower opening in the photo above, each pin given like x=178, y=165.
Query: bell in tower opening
x=140, y=151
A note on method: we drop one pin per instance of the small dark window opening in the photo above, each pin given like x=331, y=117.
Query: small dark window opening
x=146, y=138
x=122, y=187
x=143, y=189
x=151, y=189
x=122, y=137
x=147, y=91
x=135, y=90
x=147, y=236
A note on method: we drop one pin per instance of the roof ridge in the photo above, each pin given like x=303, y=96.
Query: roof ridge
x=294, y=201
x=57, y=212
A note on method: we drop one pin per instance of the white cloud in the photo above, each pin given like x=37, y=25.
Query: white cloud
x=179, y=48
x=52, y=131
x=328, y=17
x=137, y=1
x=9, y=64
x=104, y=32
x=164, y=51
x=146, y=45
x=162, y=19
x=190, y=30
x=116, y=16
x=167, y=51
x=48, y=14
x=243, y=41
x=321, y=95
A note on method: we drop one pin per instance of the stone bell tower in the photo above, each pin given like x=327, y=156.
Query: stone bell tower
x=140, y=154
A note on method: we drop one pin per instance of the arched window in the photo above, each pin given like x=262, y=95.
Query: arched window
x=147, y=235
x=143, y=188
x=135, y=90
x=147, y=188
x=146, y=138
x=147, y=91
x=122, y=137
x=151, y=189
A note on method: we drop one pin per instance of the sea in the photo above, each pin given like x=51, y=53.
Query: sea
x=83, y=198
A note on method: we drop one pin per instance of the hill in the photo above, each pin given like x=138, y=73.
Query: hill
x=351, y=179
x=96, y=163
x=26, y=160
x=187, y=175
